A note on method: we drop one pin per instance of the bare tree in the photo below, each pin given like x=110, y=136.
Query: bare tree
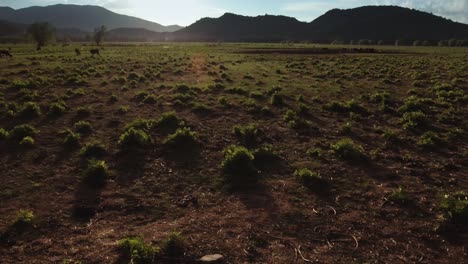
x=41, y=32
x=99, y=34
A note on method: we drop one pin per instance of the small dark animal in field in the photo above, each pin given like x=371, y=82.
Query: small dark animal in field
x=78, y=52
x=94, y=52
x=5, y=53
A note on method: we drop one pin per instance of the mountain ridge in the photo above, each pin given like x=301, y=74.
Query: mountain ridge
x=72, y=16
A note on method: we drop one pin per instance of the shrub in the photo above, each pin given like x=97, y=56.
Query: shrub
x=174, y=245
x=150, y=99
x=169, y=121
x=264, y=154
x=134, y=138
x=83, y=111
x=24, y=217
x=201, y=108
x=390, y=136
x=277, y=99
x=71, y=139
x=309, y=178
x=429, y=140
x=238, y=166
x=3, y=134
x=413, y=120
x=183, y=138
x=21, y=131
x=456, y=207
x=96, y=172
x=142, y=124
x=93, y=149
x=346, y=107
x=413, y=104
x=83, y=127
x=399, y=196
x=347, y=149
x=314, y=153
x=138, y=251
x=303, y=109
x=248, y=135
x=122, y=110
x=27, y=142
x=30, y=110
x=294, y=121
x=56, y=109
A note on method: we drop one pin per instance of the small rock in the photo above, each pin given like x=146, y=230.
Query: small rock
x=215, y=258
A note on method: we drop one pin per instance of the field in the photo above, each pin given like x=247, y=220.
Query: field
x=264, y=153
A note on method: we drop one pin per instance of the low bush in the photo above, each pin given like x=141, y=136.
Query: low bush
x=455, y=207
x=3, y=134
x=414, y=120
x=83, y=127
x=21, y=131
x=314, y=153
x=429, y=140
x=57, y=109
x=93, y=150
x=96, y=173
x=24, y=217
x=247, y=135
x=138, y=251
x=71, y=139
x=399, y=196
x=169, y=122
x=345, y=107
x=277, y=99
x=174, y=245
x=30, y=110
x=27, y=142
x=183, y=138
x=347, y=149
x=238, y=166
x=134, y=138
x=309, y=178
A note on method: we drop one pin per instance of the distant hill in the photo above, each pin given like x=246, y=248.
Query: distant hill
x=231, y=27
x=84, y=18
x=387, y=23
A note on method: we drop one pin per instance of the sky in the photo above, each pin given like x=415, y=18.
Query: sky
x=186, y=12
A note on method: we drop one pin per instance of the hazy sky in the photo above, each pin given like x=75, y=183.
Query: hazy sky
x=185, y=12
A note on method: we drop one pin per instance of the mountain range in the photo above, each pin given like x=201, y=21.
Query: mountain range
x=84, y=18
x=378, y=23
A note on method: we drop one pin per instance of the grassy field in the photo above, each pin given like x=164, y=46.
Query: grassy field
x=165, y=153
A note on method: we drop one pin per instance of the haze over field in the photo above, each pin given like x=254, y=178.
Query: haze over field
x=186, y=12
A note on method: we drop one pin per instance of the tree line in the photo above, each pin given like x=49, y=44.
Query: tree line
x=402, y=42
x=42, y=33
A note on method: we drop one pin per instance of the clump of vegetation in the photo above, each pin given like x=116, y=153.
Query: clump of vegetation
x=138, y=251
x=183, y=138
x=413, y=104
x=248, y=135
x=264, y=155
x=294, y=121
x=21, y=131
x=414, y=120
x=345, y=107
x=96, y=172
x=83, y=127
x=134, y=138
x=169, y=122
x=174, y=245
x=309, y=178
x=455, y=207
x=24, y=217
x=72, y=139
x=314, y=152
x=83, y=111
x=30, y=110
x=390, y=136
x=238, y=166
x=347, y=149
x=399, y=196
x=429, y=140
x=93, y=150
x=277, y=99
x=57, y=109
x=27, y=142
x=3, y=134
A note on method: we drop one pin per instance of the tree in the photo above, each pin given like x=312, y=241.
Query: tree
x=41, y=32
x=99, y=34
